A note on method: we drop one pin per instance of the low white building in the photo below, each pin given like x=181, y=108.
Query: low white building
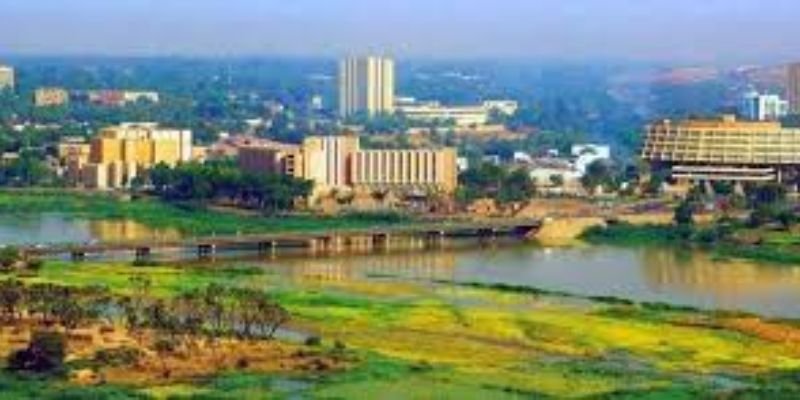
x=585, y=154
x=462, y=116
x=763, y=107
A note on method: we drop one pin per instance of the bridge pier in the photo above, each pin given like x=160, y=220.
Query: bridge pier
x=142, y=253
x=206, y=250
x=434, y=239
x=267, y=247
x=380, y=241
x=487, y=234
x=77, y=255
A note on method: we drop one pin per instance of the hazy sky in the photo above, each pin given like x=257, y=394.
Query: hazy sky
x=660, y=30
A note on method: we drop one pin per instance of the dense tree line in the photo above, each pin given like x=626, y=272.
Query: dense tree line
x=223, y=180
x=496, y=182
x=28, y=169
x=212, y=312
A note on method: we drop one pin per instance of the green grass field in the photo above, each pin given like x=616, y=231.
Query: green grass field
x=188, y=219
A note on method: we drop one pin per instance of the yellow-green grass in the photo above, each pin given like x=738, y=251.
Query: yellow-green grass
x=447, y=341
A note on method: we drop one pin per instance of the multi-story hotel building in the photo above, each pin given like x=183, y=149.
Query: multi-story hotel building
x=366, y=85
x=50, y=97
x=118, y=154
x=336, y=163
x=7, y=79
x=723, y=150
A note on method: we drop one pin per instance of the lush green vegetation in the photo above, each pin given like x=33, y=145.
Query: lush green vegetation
x=495, y=182
x=190, y=219
x=224, y=180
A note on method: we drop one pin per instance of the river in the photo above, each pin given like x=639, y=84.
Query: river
x=675, y=276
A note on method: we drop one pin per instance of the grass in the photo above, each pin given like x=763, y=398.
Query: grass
x=189, y=219
x=779, y=248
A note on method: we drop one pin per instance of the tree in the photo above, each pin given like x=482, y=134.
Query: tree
x=9, y=256
x=44, y=354
x=684, y=214
x=518, y=186
x=11, y=292
x=598, y=173
x=557, y=180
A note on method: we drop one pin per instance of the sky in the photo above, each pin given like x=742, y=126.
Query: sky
x=681, y=31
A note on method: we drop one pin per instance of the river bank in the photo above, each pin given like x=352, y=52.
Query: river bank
x=188, y=219
x=410, y=337
x=725, y=240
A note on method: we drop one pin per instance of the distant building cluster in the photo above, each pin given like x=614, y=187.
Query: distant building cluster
x=367, y=87
x=116, y=98
x=50, y=97
x=119, y=154
x=7, y=77
x=763, y=107
x=338, y=163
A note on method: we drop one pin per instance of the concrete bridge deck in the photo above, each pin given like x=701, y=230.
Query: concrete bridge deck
x=485, y=230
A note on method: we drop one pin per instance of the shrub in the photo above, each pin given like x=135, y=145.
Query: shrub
x=44, y=355
x=313, y=341
x=118, y=357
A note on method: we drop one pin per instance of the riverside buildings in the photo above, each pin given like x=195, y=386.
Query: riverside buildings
x=366, y=86
x=723, y=149
x=338, y=164
x=119, y=154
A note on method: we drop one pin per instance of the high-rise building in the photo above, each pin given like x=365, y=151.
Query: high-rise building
x=366, y=85
x=7, y=80
x=763, y=107
x=793, y=88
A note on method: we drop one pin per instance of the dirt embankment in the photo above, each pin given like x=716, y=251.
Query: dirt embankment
x=115, y=355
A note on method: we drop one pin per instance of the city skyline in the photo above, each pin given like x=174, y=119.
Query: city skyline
x=716, y=31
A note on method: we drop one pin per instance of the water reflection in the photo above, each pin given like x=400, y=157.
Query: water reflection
x=425, y=266
x=647, y=274
x=50, y=228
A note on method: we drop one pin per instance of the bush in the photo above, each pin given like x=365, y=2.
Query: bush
x=313, y=341
x=9, y=256
x=44, y=355
x=118, y=357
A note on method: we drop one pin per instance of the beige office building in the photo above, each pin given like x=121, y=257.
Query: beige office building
x=120, y=153
x=50, y=97
x=793, y=88
x=723, y=150
x=420, y=170
x=7, y=77
x=337, y=163
x=366, y=85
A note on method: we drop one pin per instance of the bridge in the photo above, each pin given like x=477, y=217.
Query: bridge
x=432, y=234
